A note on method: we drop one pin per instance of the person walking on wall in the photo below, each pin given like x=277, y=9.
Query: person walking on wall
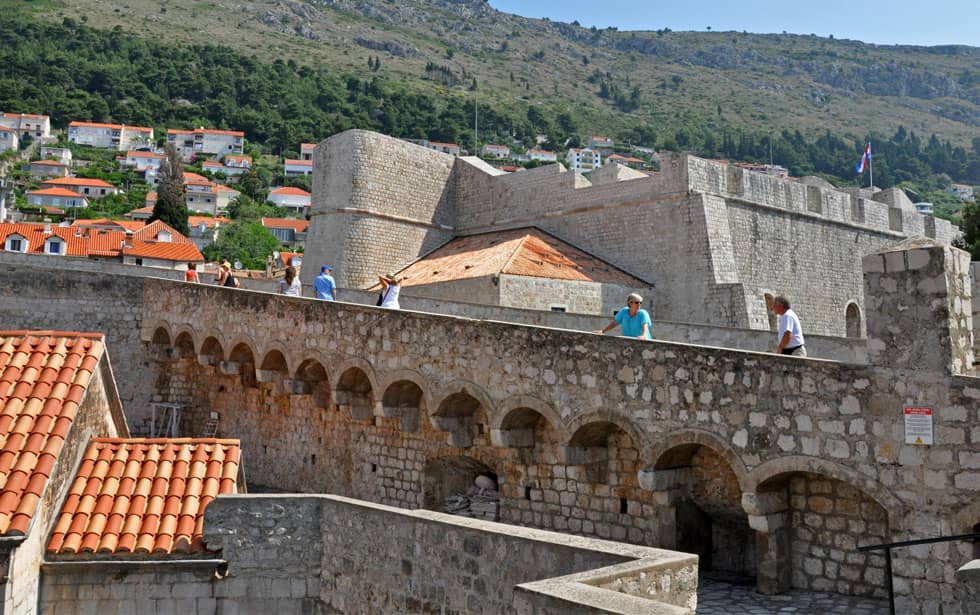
x=634, y=320
x=191, y=274
x=390, y=287
x=790, y=333
x=324, y=286
x=290, y=285
x=224, y=277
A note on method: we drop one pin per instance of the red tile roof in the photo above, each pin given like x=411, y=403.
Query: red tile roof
x=524, y=252
x=144, y=496
x=55, y=192
x=79, y=242
x=205, y=131
x=113, y=126
x=299, y=163
x=78, y=181
x=26, y=116
x=164, y=250
x=43, y=378
x=52, y=163
x=290, y=191
x=134, y=154
x=299, y=226
x=126, y=225
x=208, y=221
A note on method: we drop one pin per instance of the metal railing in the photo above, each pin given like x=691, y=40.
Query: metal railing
x=887, y=548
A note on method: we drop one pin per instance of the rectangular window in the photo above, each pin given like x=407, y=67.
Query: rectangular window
x=16, y=245
x=54, y=247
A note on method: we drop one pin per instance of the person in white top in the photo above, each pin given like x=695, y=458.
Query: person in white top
x=790, y=335
x=390, y=287
x=290, y=285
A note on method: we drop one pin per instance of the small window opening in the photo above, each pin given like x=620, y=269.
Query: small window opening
x=623, y=504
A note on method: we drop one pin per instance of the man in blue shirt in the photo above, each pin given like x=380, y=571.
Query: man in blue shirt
x=634, y=320
x=324, y=286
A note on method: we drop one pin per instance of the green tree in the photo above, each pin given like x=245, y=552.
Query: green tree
x=171, y=207
x=245, y=241
x=971, y=230
x=254, y=184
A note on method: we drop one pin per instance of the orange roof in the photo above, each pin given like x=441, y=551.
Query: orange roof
x=55, y=192
x=52, y=163
x=290, y=191
x=43, y=378
x=299, y=226
x=211, y=164
x=129, y=225
x=114, y=126
x=306, y=146
x=164, y=250
x=144, y=496
x=524, y=252
x=79, y=241
x=78, y=181
x=299, y=163
x=133, y=154
x=195, y=178
x=287, y=257
x=26, y=116
x=206, y=131
x=5, y=129
x=440, y=144
x=207, y=220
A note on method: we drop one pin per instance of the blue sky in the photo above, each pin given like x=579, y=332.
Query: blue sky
x=910, y=22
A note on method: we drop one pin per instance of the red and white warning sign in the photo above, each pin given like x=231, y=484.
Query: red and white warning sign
x=918, y=426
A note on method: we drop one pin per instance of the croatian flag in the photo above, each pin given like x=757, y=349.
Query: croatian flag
x=864, y=160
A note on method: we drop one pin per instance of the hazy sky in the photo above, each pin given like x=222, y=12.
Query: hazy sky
x=910, y=22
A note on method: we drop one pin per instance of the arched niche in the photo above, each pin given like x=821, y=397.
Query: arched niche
x=211, y=352
x=459, y=414
x=448, y=481
x=354, y=391
x=273, y=368
x=311, y=379
x=852, y=320
x=160, y=346
x=405, y=400
x=241, y=362
x=184, y=346
x=601, y=447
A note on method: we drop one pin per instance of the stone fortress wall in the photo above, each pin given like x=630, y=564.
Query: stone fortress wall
x=788, y=463
x=714, y=238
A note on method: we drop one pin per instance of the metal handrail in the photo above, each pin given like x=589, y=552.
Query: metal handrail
x=888, y=546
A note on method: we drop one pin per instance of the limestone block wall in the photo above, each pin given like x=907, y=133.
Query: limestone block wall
x=304, y=554
x=378, y=203
x=528, y=293
x=480, y=291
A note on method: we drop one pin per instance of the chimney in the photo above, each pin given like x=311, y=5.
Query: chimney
x=47, y=226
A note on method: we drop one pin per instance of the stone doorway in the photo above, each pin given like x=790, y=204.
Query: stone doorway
x=461, y=486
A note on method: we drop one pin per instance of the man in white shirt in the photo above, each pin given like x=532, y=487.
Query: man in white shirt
x=790, y=334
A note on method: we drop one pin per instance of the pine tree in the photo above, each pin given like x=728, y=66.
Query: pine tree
x=170, y=206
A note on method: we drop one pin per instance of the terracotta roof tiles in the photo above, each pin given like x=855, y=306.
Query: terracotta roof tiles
x=144, y=496
x=43, y=378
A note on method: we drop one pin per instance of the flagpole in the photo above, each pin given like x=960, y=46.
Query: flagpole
x=871, y=170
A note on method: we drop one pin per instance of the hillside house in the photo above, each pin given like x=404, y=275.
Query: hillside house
x=306, y=151
x=924, y=208
x=495, y=151
x=233, y=165
x=8, y=139
x=61, y=154
x=598, y=142
x=27, y=124
x=40, y=169
x=205, y=196
x=296, y=168
x=110, y=136
x=295, y=200
x=93, y=188
x=583, y=160
x=57, y=197
x=961, y=191
x=206, y=141
x=542, y=155
x=289, y=231
x=627, y=161
x=446, y=148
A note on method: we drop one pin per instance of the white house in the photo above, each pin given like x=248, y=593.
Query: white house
x=206, y=141
x=48, y=168
x=293, y=199
x=295, y=168
x=61, y=154
x=924, y=208
x=94, y=188
x=57, y=197
x=205, y=196
x=597, y=142
x=306, y=151
x=961, y=191
x=36, y=126
x=8, y=139
x=110, y=136
x=233, y=164
x=495, y=151
x=446, y=148
x=583, y=160
x=541, y=154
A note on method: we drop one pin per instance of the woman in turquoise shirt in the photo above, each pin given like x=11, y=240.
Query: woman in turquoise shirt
x=634, y=320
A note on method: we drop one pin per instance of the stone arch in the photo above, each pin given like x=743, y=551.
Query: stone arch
x=161, y=336
x=768, y=473
x=404, y=397
x=211, y=352
x=966, y=519
x=274, y=367
x=702, y=477
x=241, y=362
x=184, y=345
x=311, y=379
x=852, y=320
x=160, y=347
x=462, y=413
x=639, y=439
x=355, y=390
x=448, y=482
x=523, y=422
x=600, y=446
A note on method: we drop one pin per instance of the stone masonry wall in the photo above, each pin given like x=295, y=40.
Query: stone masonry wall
x=320, y=554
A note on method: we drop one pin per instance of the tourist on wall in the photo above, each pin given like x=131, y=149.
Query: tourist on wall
x=790, y=333
x=290, y=285
x=225, y=277
x=634, y=320
x=390, y=287
x=324, y=286
x=191, y=274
